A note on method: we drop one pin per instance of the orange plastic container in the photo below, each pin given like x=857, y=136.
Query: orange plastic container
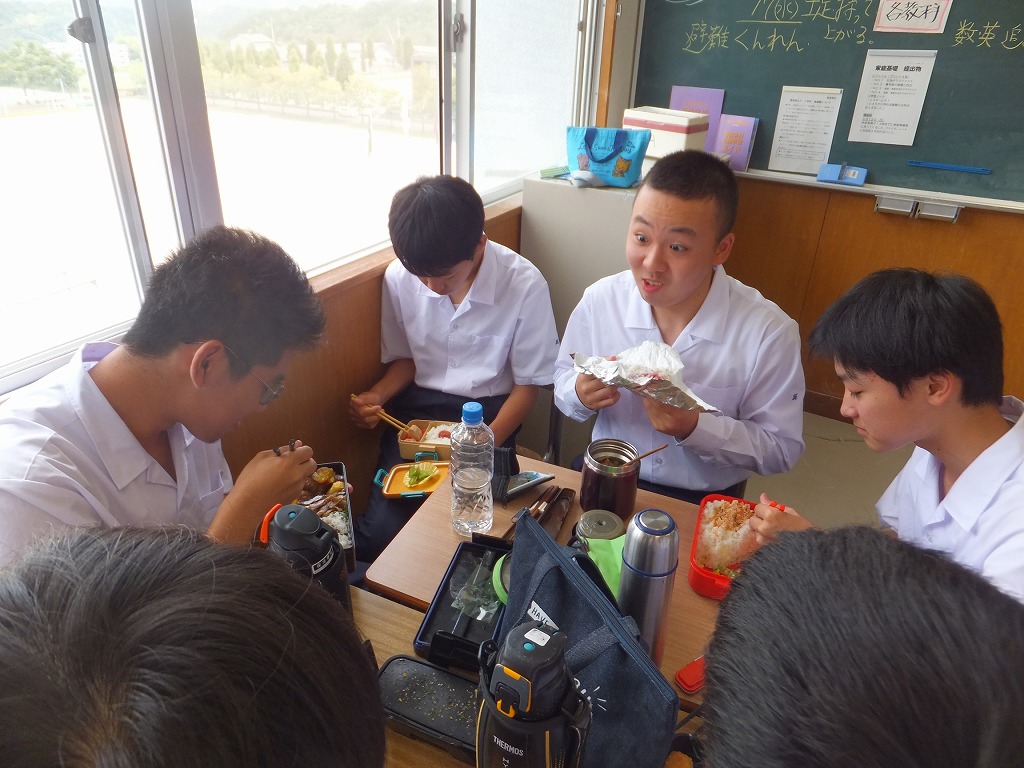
x=703, y=581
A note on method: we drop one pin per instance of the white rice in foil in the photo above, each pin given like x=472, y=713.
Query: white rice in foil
x=725, y=537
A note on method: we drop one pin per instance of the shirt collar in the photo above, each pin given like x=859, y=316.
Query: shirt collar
x=120, y=451
x=976, y=489
x=709, y=322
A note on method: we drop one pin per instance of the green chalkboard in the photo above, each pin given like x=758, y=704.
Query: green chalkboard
x=973, y=112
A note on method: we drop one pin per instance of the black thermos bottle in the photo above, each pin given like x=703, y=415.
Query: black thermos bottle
x=311, y=546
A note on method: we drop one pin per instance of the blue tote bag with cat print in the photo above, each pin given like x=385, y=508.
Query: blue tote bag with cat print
x=615, y=156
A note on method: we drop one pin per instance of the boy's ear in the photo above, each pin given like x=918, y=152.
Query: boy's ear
x=480, y=246
x=200, y=364
x=942, y=385
x=724, y=248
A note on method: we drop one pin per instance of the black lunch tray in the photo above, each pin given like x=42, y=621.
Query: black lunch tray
x=448, y=637
x=430, y=703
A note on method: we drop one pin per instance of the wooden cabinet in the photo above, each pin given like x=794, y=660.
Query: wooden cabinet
x=803, y=247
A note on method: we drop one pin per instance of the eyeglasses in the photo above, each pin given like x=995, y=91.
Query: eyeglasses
x=269, y=393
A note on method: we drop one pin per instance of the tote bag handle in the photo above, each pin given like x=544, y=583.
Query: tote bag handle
x=621, y=138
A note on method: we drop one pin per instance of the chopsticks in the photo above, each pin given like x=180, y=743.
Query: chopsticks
x=645, y=455
x=389, y=418
x=537, y=510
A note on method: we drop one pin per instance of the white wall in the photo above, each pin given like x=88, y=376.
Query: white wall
x=574, y=236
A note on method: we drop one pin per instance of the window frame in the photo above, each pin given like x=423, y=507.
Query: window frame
x=170, y=48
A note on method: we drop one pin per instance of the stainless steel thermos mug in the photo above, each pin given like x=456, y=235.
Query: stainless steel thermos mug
x=650, y=556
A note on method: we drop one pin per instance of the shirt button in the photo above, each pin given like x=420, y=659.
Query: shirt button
x=453, y=364
x=659, y=460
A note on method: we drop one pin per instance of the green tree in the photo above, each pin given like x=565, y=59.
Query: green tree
x=424, y=94
x=330, y=56
x=311, y=50
x=369, y=55
x=343, y=66
x=404, y=52
x=28, y=64
x=294, y=58
x=270, y=59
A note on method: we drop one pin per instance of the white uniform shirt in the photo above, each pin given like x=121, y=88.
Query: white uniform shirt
x=980, y=522
x=68, y=459
x=740, y=353
x=502, y=334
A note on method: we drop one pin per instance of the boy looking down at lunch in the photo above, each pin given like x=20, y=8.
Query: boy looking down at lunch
x=740, y=352
x=920, y=356
x=130, y=433
x=462, y=319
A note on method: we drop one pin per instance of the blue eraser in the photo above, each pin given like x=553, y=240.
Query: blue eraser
x=853, y=176
x=830, y=172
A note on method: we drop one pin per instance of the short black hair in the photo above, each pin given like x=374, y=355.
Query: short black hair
x=435, y=223
x=695, y=175
x=903, y=324
x=234, y=286
x=159, y=648
x=844, y=648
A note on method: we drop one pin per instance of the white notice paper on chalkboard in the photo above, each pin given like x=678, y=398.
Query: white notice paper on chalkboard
x=804, y=128
x=892, y=89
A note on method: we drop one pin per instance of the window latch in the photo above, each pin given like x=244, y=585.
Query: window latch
x=81, y=30
x=458, y=30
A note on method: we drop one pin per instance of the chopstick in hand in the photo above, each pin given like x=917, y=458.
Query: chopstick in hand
x=387, y=417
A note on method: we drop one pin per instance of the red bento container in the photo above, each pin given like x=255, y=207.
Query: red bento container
x=703, y=581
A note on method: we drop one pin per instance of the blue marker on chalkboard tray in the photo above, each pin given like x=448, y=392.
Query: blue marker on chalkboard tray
x=948, y=167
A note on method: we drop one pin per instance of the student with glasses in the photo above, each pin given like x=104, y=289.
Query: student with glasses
x=130, y=433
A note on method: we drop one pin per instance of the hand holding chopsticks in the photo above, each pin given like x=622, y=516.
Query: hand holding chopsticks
x=383, y=416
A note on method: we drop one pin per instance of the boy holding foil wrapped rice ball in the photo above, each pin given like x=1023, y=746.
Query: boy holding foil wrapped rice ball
x=740, y=352
x=921, y=358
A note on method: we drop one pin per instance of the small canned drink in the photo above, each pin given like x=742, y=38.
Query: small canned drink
x=609, y=477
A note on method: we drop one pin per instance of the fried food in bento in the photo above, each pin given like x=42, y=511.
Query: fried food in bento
x=318, y=484
x=413, y=434
x=326, y=494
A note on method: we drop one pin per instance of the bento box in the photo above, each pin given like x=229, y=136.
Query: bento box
x=392, y=483
x=735, y=539
x=436, y=438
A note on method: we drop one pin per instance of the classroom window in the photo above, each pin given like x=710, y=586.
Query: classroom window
x=297, y=120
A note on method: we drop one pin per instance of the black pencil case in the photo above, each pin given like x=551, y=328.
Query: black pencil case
x=427, y=702
x=465, y=610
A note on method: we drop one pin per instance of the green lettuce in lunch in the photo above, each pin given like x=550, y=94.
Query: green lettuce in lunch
x=420, y=472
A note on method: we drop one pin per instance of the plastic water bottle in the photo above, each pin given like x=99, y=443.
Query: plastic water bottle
x=472, y=465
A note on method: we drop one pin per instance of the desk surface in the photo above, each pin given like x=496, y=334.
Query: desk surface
x=410, y=569
x=391, y=628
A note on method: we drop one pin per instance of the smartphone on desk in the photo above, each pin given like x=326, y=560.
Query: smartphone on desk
x=519, y=483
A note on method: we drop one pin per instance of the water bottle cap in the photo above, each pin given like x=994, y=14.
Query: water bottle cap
x=472, y=413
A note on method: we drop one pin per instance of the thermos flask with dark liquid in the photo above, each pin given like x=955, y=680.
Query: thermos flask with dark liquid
x=609, y=477
x=650, y=556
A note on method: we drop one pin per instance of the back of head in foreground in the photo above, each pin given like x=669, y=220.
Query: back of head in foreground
x=851, y=648
x=234, y=286
x=903, y=324
x=138, y=648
